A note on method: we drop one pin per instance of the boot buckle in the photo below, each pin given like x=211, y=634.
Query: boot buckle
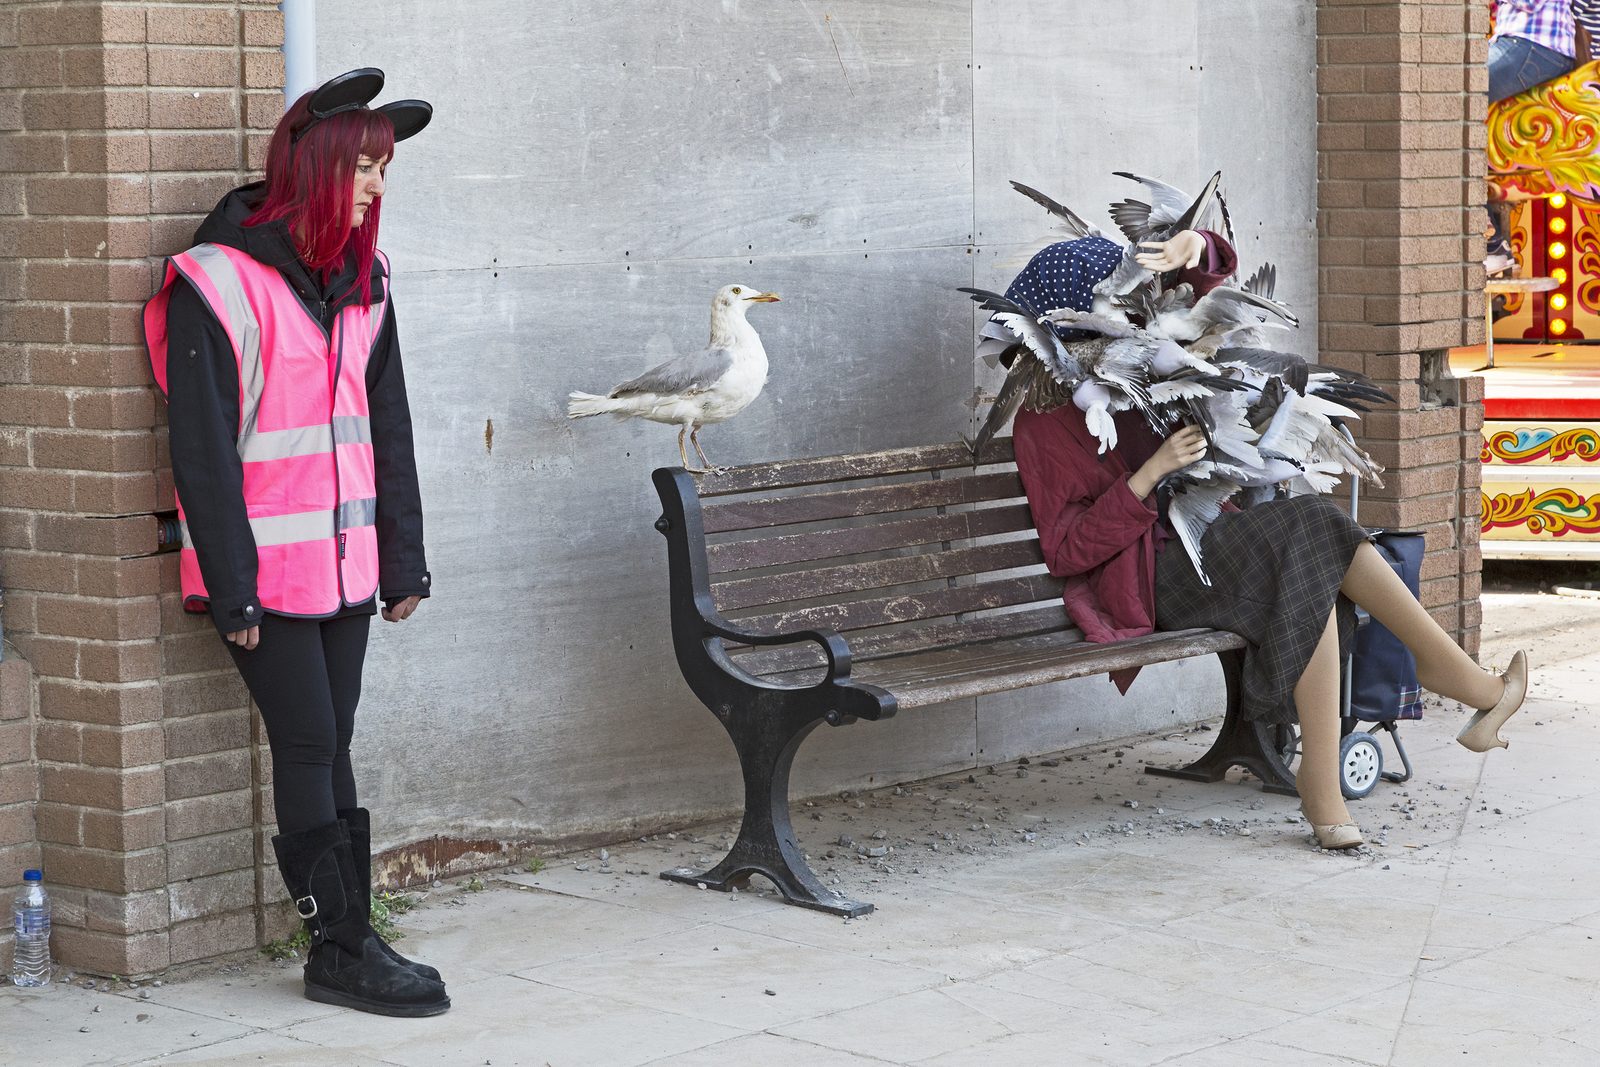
x=299, y=907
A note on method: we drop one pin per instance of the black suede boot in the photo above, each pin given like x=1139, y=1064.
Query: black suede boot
x=346, y=965
x=359, y=823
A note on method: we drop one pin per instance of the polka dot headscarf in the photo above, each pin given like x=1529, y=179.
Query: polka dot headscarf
x=1064, y=276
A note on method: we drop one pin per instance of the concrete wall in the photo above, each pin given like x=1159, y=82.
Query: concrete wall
x=594, y=172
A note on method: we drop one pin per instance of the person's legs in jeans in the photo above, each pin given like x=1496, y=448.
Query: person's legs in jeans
x=1516, y=64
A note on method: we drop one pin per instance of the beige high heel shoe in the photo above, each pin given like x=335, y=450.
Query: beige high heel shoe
x=1482, y=731
x=1338, y=836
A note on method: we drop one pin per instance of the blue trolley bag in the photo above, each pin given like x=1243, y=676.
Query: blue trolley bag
x=1384, y=672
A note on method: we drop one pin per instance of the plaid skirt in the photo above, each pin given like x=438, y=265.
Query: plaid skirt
x=1275, y=574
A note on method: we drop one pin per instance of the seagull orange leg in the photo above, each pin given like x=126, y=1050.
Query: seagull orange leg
x=692, y=470
x=694, y=436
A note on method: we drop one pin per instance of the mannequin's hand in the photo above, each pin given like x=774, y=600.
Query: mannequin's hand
x=1176, y=452
x=402, y=610
x=1184, y=250
x=246, y=639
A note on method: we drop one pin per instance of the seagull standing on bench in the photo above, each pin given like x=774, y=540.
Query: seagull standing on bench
x=698, y=388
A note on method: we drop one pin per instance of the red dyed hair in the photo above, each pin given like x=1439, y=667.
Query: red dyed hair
x=311, y=182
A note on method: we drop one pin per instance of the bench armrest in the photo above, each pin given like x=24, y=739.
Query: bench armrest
x=833, y=645
x=692, y=606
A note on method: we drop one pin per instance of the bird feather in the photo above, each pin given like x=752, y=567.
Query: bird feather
x=690, y=373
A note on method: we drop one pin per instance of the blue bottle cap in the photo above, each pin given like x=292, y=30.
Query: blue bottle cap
x=33, y=876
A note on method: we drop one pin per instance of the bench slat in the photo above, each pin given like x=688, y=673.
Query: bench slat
x=770, y=662
x=909, y=607
x=851, y=503
x=961, y=673
x=848, y=541
x=877, y=574
x=788, y=473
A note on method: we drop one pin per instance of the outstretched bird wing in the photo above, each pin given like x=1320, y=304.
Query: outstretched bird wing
x=1191, y=511
x=1024, y=324
x=1075, y=225
x=1138, y=220
x=692, y=372
x=1013, y=391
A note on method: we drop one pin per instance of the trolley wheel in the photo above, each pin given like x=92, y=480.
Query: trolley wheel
x=1360, y=765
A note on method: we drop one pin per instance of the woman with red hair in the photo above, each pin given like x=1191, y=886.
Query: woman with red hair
x=274, y=342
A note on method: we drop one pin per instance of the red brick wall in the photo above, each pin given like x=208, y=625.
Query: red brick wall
x=121, y=123
x=1400, y=198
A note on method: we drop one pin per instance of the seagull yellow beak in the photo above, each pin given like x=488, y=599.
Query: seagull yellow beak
x=763, y=298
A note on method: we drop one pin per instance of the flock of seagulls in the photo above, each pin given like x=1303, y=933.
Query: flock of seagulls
x=1268, y=416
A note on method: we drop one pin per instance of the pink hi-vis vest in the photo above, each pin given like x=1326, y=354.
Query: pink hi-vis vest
x=304, y=435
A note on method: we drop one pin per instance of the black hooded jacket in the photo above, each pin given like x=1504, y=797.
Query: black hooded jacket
x=203, y=418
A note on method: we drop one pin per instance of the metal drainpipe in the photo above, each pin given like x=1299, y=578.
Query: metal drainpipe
x=299, y=48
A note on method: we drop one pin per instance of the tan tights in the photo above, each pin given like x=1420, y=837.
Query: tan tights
x=1441, y=667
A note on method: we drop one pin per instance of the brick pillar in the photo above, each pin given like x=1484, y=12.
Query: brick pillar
x=1400, y=197
x=121, y=123
x=19, y=785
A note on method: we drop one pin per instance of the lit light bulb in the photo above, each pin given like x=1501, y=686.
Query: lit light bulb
x=1560, y=275
x=1558, y=225
x=1558, y=326
x=1558, y=301
x=1558, y=201
x=1557, y=250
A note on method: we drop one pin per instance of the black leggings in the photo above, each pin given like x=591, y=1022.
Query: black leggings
x=305, y=676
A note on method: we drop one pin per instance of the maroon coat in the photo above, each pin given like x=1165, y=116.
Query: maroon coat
x=1094, y=532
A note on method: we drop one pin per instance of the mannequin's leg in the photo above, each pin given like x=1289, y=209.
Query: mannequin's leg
x=1441, y=665
x=1316, y=696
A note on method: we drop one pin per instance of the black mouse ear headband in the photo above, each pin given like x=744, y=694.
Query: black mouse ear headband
x=352, y=91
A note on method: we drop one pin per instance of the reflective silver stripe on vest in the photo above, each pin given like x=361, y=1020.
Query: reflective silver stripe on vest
x=305, y=440
x=252, y=375
x=353, y=513
x=285, y=444
x=352, y=430
x=285, y=529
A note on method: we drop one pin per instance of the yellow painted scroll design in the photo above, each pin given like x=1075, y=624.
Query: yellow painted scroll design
x=1544, y=140
x=1527, y=445
x=1556, y=512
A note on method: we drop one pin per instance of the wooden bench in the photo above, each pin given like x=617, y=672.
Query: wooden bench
x=851, y=587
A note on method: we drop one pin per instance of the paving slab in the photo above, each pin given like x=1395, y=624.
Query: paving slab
x=1026, y=914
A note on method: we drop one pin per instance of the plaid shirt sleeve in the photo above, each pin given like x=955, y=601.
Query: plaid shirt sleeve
x=1545, y=22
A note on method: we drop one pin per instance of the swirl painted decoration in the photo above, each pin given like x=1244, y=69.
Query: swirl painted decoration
x=1545, y=139
x=1556, y=512
x=1527, y=445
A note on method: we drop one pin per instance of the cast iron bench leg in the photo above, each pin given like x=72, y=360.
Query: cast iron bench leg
x=1252, y=745
x=766, y=744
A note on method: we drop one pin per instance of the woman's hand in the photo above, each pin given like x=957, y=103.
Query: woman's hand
x=402, y=610
x=1176, y=452
x=1184, y=250
x=246, y=639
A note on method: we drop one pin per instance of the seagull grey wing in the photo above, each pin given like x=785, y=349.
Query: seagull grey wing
x=1132, y=218
x=1264, y=282
x=1006, y=402
x=1167, y=202
x=1191, y=219
x=1042, y=341
x=1192, y=511
x=1075, y=225
x=1125, y=278
x=1109, y=324
x=693, y=372
x=1226, y=305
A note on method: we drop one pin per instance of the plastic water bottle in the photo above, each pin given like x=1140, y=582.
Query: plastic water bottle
x=31, y=919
